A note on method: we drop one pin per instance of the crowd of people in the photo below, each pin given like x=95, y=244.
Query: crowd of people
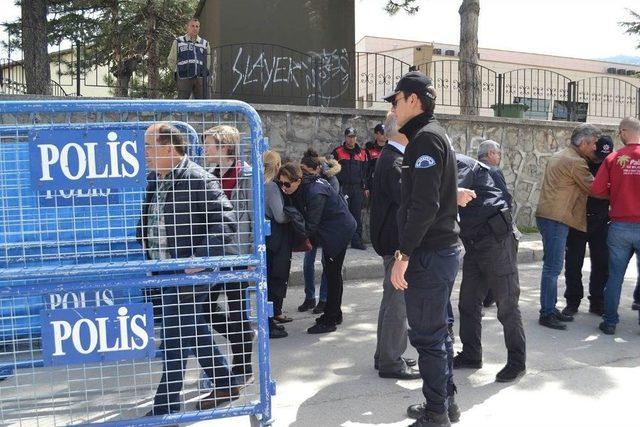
x=428, y=204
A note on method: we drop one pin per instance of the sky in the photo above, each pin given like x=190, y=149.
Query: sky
x=574, y=28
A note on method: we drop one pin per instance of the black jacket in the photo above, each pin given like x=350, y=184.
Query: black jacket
x=597, y=209
x=199, y=219
x=428, y=213
x=354, y=164
x=374, y=151
x=501, y=183
x=489, y=200
x=385, y=189
x=328, y=220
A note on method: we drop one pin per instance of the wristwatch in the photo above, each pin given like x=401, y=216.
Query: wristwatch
x=399, y=256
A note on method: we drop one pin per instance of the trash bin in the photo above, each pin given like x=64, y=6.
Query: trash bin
x=515, y=111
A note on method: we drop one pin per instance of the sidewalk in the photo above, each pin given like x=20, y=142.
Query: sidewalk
x=362, y=265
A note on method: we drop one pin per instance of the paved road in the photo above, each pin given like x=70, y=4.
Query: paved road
x=577, y=377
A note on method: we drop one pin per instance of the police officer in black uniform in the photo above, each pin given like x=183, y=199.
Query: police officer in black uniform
x=353, y=179
x=427, y=261
x=188, y=59
x=490, y=262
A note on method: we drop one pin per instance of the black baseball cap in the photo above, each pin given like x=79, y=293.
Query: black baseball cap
x=412, y=82
x=604, y=146
x=379, y=128
x=350, y=132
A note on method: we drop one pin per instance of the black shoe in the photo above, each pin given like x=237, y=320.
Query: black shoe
x=461, y=361
x=488, y=300
x=569, y=311
x=274, y=325
x=510, y=373
x=322, y=328
x=358, y=245
x=277, y=333
x=308, y=304
x=635, y=306
x=551, y=321
x=322, y=319
x=597, y=310
x=417, y=410
x=432, y=419
x=607, y=328
x=561, y=316
x=408, y=361
x=319, y=309
x=404, y=374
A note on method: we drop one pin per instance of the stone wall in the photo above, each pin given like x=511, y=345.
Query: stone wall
x=527, y=144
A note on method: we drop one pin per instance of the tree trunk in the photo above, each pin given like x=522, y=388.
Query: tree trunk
x=468, y=70
x=153, y=54
x=34, y=45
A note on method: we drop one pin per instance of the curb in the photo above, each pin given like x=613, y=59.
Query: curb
x=371, y=267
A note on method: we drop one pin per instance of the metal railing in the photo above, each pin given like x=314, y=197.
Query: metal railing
x=274, y=74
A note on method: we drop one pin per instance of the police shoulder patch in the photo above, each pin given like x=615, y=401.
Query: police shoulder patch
x=425, y=162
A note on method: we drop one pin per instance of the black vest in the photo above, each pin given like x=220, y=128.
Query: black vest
x=191, y=57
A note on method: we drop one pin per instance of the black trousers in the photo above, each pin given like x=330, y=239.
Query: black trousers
x=355, y=199
x=234, y=324
x=333, y=270
x=278, y=269
x=491, y=264
x=430, y=277
x=577, y=242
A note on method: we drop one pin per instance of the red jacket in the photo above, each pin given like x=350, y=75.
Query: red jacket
x=354, y=163
x=619, y=178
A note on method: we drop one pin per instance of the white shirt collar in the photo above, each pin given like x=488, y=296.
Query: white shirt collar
x=398, y=146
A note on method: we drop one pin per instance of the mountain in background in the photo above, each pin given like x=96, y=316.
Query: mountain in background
x=623, y=59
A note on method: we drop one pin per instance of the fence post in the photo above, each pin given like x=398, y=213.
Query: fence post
x=638, y=103
x=500, y=93
x=78, y=68
x=571, y=100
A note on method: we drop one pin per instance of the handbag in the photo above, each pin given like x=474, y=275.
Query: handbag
x=300, y=240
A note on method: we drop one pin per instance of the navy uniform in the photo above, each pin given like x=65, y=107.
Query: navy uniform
x=490, y=262
x=188, y=58
x=429, y=236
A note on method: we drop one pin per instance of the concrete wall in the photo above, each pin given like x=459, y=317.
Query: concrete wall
x=527, y=144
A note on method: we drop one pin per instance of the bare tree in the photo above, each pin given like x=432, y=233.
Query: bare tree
x=468, y=70
x=34, y=45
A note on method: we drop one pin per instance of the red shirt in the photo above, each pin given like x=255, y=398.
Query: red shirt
x=230, y=178
x=619, y=177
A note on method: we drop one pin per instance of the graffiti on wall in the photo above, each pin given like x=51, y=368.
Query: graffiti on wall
x=319, y=77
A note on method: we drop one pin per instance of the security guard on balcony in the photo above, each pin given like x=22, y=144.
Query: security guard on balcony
x=188, y=60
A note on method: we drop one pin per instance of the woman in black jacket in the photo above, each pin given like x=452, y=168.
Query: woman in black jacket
x=328, y=224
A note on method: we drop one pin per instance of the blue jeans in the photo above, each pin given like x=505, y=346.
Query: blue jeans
x=623, y=240
x=554, y=240
x=309, y=272
x=185, y=321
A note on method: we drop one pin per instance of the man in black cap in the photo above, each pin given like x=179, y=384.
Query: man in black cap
x=353, y=179
x=427, y=261
x=596, y=237
x=374, y=149
x=490, y=262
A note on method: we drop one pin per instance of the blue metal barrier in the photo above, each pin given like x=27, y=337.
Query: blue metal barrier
x=78, y=297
